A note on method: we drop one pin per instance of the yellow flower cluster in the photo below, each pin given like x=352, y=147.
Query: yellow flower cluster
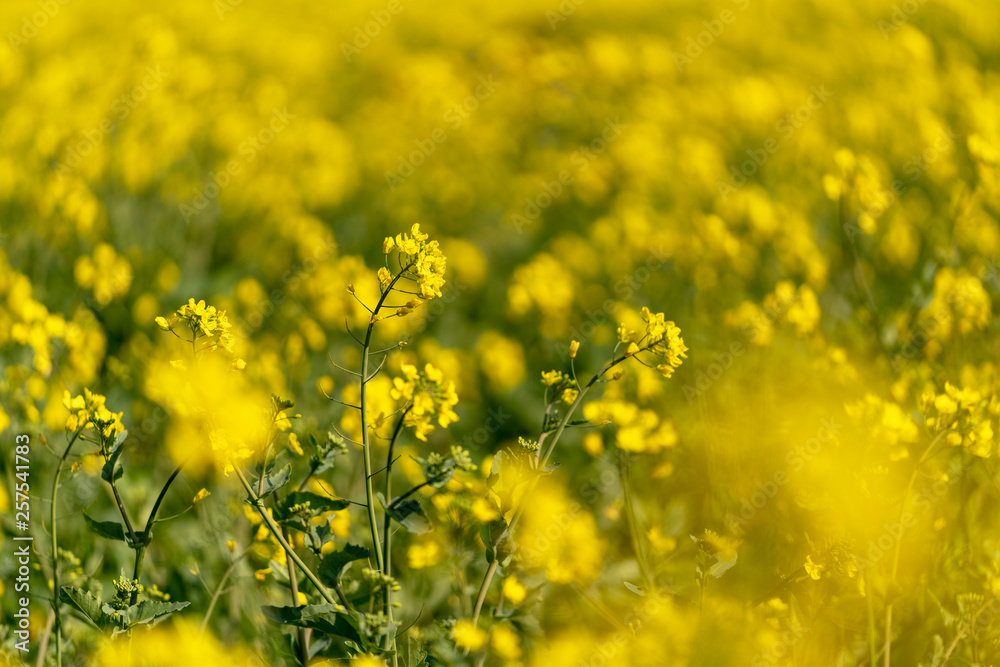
x=89, y=410
x=889, y=426
x=639, y=430
x=964, y=417
x=419, y=257
x=26, y=321
x=661, y=337
x=557, y=536
x=168, y=645
x=429, y=396
x=217, y=415
x=797, y=307
x=202, y=321
x=105, y=272
x=960, y=301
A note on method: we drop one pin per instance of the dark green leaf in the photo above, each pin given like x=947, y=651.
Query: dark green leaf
x=275, y=481
x=327, y=618
x=331, y=568
x=316, y=502
x=110, y=530
x=85, y=602
x=113, y=465
x=410, y=515
x=149, y=610
x=412, y=652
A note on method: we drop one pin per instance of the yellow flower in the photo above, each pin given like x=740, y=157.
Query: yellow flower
x=552, y=378
x=201, y=495
x=514, y=590
x=468, y=636
x=429, y=396
x=505, y=642
x=384, y=277
x=293, y=444
x=425, y=554
x=574, y=347
x=945, y=404
x=813, y=569
x=425, y=264
x=484, y=510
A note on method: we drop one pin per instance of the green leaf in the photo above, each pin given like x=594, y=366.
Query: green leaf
x=149, y=610
x=281, y=403
x=409, y=514
x=279, y=571
x=412, y=652
x=110, y=530
x=635, y=588
x=499, y=545
x=331, y=568
x=316, y=502
x=328, y=618
x=113, y=466
x=275, y=481
x=85, y=602
x=721, y=565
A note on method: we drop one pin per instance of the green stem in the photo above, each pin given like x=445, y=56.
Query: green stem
x=365, y=439
x=303, y=637
x=899, y=544
x=140, y=551
x=488, y=577
x=633, y=522
x=218, y=590
x=387, y=533
x=278, y=535
x=55, y=548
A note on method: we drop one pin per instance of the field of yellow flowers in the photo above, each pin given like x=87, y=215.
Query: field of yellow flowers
x=547, y=334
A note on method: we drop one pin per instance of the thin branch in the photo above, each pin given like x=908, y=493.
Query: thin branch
x=348, y=327
x=346, y=370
